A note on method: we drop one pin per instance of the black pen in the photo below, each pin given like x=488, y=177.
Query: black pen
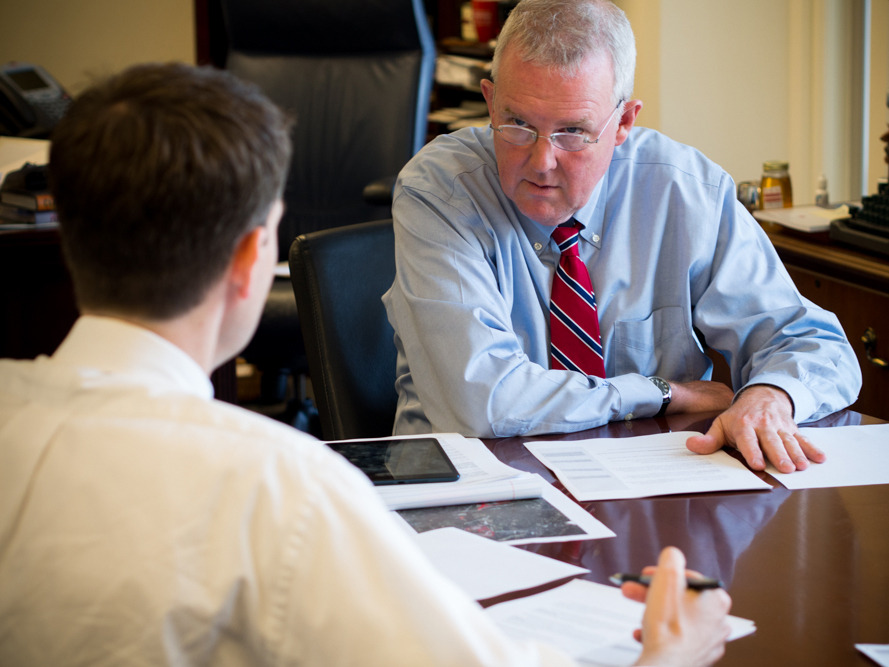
x=694, y=583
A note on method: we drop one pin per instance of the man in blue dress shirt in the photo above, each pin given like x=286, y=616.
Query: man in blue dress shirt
x=676, y=262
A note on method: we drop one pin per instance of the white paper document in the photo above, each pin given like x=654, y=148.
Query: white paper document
x=484, y=568
x=856, y=456
x=879, y=653
x=591, y=622
x=483, y=478
x=648, y=465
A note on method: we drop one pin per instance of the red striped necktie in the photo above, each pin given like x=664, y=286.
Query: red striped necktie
x=575, y=343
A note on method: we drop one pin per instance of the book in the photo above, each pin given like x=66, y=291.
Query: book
x=31, y=201
x=10, y=213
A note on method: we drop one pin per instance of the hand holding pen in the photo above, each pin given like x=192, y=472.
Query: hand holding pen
x=685, y=623
x=693, y=582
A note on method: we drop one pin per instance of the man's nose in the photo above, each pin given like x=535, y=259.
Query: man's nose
x=543, y=154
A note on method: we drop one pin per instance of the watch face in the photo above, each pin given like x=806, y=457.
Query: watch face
x=661, y=384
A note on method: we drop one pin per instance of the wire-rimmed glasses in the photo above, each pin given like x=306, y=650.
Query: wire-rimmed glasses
x=566, y=141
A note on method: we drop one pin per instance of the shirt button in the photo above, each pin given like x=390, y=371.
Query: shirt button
x=630, y=416
x=538, y=246
x=595, y=238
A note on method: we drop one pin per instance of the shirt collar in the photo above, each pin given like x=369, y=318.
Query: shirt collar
x=108, y=350
x=591, y=216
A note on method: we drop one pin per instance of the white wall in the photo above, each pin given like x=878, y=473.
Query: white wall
x=724, y=87
x=721, y=75
x=760, y=80
x=79, y=40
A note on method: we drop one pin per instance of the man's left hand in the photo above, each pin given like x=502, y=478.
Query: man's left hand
x=760, y=425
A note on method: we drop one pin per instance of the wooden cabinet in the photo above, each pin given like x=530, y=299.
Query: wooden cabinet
x=855, y=286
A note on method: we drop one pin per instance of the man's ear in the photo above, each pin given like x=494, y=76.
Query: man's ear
x=627, y=120
x=244, y=259
x=488, y=93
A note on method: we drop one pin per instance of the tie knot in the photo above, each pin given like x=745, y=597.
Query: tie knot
x=566, y=238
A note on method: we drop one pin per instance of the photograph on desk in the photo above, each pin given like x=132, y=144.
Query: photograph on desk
x=513, y=521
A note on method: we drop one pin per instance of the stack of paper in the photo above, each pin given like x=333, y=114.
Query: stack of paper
x=460, y=71
x=591, y=622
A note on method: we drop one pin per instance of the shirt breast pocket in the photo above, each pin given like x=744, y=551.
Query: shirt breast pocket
x=661, y=344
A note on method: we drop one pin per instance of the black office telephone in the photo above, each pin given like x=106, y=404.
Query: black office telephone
x=31, y=101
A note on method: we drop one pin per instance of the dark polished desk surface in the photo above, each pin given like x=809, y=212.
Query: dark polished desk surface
x=809, y=567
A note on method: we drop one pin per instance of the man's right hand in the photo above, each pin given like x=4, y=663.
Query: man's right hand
x=680, y=627
x=699, y=396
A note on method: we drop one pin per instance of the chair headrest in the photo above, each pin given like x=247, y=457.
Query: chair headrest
x=324, y=26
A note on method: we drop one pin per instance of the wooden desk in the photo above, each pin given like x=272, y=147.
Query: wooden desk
x=808, y=567
x=855, y=286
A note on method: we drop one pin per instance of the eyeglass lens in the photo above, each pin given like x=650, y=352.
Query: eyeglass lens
x=523, y=136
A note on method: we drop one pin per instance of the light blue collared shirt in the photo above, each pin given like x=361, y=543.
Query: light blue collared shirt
x=673, y=257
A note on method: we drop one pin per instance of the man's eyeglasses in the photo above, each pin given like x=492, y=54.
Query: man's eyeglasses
x=567, y=141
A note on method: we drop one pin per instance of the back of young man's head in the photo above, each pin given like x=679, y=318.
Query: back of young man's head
x=157, y=173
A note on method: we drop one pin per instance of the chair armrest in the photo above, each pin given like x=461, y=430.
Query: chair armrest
x=379, y=192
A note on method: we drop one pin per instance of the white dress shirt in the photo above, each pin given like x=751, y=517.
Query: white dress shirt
x=143, y=523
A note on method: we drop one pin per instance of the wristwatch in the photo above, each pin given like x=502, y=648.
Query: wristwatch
x=666, y=390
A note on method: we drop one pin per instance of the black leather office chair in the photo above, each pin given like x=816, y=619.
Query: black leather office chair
x=357, y=77
x=338, y=277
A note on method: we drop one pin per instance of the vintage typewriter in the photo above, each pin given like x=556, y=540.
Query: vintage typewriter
x=869, y=225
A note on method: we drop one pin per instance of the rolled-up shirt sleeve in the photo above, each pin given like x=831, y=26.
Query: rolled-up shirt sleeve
x=753, y=314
